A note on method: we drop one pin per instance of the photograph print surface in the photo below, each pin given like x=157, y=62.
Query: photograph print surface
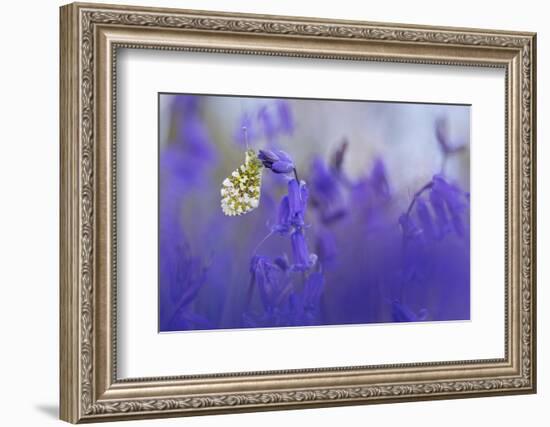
x=283, y=212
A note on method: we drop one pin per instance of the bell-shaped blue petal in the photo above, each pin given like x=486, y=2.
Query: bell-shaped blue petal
x=425, y=218
x=277, y=161
x=282, y=167
x=411, y=231
x=283, y=156
x=296, y=203
x=282, y=262
x=303, y=260
x=283, y=225
x=438, y=205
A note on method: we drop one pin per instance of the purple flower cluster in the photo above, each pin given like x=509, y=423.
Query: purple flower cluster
x=183, y=164
x=324, y=246
x=290, y=293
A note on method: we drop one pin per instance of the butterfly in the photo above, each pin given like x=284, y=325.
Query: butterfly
x=241, y=190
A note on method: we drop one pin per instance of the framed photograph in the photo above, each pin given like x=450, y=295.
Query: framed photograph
x=266, y=212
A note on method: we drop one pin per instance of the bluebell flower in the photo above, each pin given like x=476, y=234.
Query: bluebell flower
x=283, y=225
x=438, y=205
x=282, y=262
x=291, y=215
x=297, y=200
x=303, y=260
x=411, y=231
x=278, y=161
x=425, y=219
x=273, y=282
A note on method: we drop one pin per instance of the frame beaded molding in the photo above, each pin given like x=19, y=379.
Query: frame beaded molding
x=89, y=17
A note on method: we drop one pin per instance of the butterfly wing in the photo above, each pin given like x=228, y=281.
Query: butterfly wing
x=241, y=190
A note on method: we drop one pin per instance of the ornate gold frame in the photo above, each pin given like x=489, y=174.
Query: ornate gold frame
x=90, y=36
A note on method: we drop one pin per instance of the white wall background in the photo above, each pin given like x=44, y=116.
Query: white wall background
x=29, y=170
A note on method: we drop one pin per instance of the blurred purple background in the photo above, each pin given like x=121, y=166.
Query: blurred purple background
x=377, y=229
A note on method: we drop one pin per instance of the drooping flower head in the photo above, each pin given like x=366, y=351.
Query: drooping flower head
x=278, y=161
x=446, y=211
